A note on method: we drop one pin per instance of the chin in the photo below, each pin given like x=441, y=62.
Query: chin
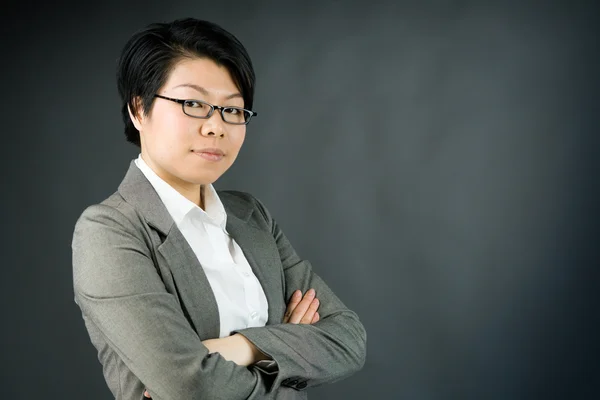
x=204, y=179
x=201, y=175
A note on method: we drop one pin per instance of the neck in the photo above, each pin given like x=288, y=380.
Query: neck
x=192, y=192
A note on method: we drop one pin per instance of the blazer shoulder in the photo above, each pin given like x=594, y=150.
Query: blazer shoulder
x=113, y=208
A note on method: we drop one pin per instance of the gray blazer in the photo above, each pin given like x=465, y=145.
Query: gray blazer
x=147, y=304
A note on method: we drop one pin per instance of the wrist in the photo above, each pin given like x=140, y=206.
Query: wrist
x=255, y=355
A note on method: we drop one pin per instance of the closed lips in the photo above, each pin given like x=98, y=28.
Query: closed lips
x=216, y=152
x=212, y=155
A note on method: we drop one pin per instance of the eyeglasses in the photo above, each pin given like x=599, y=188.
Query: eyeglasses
x=204, y=110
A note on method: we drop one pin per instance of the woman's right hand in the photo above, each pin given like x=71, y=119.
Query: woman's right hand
x=302, y=309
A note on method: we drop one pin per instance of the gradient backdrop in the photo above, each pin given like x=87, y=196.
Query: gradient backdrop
x=436, y=161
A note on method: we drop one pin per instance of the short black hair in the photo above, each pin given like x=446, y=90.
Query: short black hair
x=150, y=55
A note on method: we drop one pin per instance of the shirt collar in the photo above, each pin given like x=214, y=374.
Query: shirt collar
x=213, y=206
x=179, y=206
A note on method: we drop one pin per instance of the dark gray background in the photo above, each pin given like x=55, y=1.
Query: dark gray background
x=436, y=161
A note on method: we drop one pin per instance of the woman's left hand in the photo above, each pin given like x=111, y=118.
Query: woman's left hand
x=302, y=309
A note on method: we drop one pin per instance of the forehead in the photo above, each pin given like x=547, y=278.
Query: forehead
x=201, y=72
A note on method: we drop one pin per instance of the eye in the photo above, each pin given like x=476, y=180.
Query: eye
x=232, y=111
x=194, y=104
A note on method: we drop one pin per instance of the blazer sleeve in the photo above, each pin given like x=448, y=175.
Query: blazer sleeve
x=309, y=355
x=118, y=287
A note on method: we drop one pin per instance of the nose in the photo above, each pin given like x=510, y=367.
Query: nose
x=213, y=126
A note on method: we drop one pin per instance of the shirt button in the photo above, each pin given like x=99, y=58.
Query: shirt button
x=254, y=315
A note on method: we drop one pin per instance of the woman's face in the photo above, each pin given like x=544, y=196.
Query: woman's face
x=184, y=151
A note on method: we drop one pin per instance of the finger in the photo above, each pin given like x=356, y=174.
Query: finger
x=146, y=394
x=294, y=300
x=310, y=312
x=316, y=318
x=302, y=307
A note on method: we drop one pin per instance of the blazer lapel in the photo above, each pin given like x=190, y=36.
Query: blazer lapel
x=188, y=275
x=262, y=255
x=192, y=286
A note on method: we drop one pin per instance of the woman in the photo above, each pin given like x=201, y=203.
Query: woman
x=186, y=292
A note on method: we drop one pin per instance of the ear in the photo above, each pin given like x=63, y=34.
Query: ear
x=137, y=118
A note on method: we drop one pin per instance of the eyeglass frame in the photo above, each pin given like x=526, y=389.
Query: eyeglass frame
x=212, y=109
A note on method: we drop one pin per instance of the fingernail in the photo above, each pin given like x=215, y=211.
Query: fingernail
x=297, y=294
x=311, y=292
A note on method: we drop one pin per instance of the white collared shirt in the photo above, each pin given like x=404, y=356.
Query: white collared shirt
x=240, y=297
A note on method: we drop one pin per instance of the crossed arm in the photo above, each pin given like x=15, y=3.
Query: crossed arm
x=124, y=299
x=236, y=348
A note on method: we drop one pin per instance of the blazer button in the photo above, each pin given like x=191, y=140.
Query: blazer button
x=302, y=385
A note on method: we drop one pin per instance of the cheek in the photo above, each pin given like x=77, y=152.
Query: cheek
x=237, y=139
x=171, y=133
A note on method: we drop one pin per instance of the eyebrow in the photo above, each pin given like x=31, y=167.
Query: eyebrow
x=205, y=92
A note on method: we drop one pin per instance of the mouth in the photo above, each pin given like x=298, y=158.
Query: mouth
x=210, y=154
